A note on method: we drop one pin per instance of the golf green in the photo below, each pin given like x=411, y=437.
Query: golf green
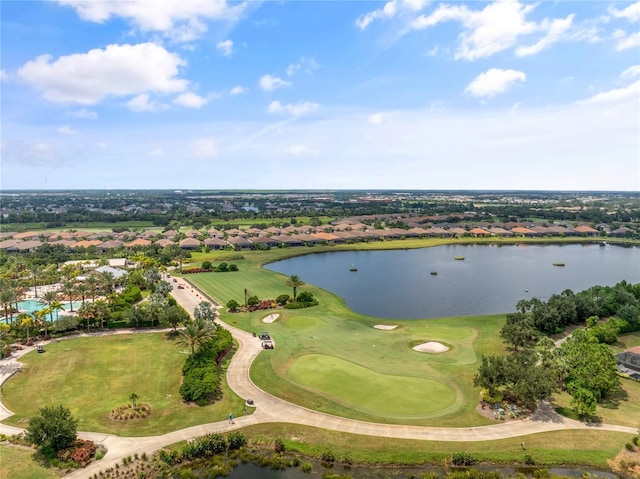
x=370, y=391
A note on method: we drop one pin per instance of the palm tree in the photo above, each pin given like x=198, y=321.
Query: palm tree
x=196, y=334
x=107, y=281
x=294, y=282
x=101, y=310
x=69, y=290
x=7, y=298
x=133, y=397
x=36, y=271
x=92, y=285
x=25, y=320
x=82, y=290
x=87, y=313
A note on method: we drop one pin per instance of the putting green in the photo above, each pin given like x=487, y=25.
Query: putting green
x=369, y=391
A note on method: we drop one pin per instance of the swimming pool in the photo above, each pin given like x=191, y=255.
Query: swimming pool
x=32, y=305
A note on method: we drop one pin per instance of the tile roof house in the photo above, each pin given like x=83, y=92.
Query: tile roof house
x=190, y=243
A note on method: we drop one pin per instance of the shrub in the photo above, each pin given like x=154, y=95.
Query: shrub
x=80, y=452
x=629, y=446
x=328, y=457
x=282, y=299
x=279, y=446
x=636, y=440
x=528, y=460
x=207, y=265
x=54, y=428
x=462, y=459
x=232, y=305
x=236, y=440
x=233, y=267
x=306, y=467
x=253, y=301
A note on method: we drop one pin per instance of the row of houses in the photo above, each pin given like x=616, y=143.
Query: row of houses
x=343, y=231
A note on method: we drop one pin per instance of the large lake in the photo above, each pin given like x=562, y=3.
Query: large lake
x=398, y=284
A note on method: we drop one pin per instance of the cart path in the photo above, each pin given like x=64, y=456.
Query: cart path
x=272, y=409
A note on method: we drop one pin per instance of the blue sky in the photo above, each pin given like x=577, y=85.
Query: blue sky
x=403, y=94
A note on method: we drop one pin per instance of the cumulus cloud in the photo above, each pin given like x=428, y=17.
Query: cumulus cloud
x=305, y=64
x=631, y=72
x=142, y=103
x=630, y=93
x=631, y=13
x=626, y=42
x=238, y=90
x=67, y=130
x=270, y=82
x=83, y=114
x=297, y=109
x=302, y=150
x=204, y=148
x=225, y=47
x=496, y=27
x=118, y=70
x=180, y=21
x=190, y=100
x=555, y=30
x=493, y=82
x=389, y=10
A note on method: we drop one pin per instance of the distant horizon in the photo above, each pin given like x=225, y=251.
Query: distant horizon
x=278, y=190
x=493, y=95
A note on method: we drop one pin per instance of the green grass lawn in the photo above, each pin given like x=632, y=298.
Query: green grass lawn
x=17, y=463
x=586, y=448
x=622, y=407
x=91, y=376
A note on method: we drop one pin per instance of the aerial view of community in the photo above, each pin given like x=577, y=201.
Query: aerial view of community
x=319, y=239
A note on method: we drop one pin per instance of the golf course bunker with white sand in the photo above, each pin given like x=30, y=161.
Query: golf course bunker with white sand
x=385, y=327
x=432, y=347
x=371, y=392
x=271, y=318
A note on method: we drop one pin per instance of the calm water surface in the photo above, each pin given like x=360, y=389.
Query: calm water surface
x=398, y=284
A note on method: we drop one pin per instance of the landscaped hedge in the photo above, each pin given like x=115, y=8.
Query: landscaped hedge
x=201, y=379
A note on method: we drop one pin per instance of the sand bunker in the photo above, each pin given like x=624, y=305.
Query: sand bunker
x=386, y=327
x=431, y=347
x=271, y=318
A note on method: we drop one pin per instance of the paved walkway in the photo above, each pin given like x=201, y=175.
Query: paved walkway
x=272, y=409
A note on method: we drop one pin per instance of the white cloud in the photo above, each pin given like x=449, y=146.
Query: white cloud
x=433, y=52
x=556, y=29
x=269, y=82
x=238, y=90
x=497, y=27
x=118, y=70
x=390, y=10
x=156, y=152
x=83, y=114
x=630, y=93
x=204, y=148
x=631, y=13
x=494, y=81
x=305, y=64
x=301, y=150
x=225, y=47
x=181, y=21
x=142, y=103
x=631, y=41
x=3, y=74
x=631, y=72
x=190, y=100
x=376, y=118
x=297, y=109
x=67, y=130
